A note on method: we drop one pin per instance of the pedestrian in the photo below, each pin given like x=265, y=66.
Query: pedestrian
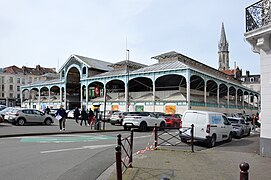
x=91, y=117
x=61, y=117
x=76, y=114
x=84, y=117
x=254, y=122
x=47, y=110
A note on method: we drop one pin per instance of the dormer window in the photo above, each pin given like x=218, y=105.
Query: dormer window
x=251, y=79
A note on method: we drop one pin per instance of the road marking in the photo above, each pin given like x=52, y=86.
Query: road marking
x=65, y=139
x=79, y=148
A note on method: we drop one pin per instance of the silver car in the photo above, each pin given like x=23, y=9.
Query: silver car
x=22, y=116
x=240, y=127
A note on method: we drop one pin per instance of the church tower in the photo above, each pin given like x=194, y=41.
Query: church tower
x=223, y=51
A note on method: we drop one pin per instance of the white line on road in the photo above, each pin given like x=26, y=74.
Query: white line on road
x=83, y=147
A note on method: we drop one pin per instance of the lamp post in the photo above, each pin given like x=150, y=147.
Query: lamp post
x=127, y=72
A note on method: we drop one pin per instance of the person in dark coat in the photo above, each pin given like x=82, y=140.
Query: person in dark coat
x=47, y=110
x=76, y=114
x=61, y=112
x=84, y=116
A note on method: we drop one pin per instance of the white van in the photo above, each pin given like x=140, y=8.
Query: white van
x=209, y=127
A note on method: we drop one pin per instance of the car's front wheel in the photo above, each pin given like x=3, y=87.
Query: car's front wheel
x=143, y=126
x=21, y=122
x=48, y=122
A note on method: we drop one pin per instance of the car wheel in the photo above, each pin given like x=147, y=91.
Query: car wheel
x=48, y=122
x=21, y=122
x=230, y=137
x=143, y=126
x=212, y=141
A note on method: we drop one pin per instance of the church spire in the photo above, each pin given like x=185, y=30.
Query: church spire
x=223, y=50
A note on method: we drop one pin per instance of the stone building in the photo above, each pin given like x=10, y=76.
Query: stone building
x=13, y=77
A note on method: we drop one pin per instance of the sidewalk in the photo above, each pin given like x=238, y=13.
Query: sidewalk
x=207, y=164
x=214, y=163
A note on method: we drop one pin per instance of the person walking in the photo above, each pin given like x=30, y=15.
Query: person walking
x=91, y=117
x=61, y=116
x=76, y=114
x=47, y=110
x=84, y=117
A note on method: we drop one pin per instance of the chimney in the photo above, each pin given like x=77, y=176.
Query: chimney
x=38, y=67
x=247, y=73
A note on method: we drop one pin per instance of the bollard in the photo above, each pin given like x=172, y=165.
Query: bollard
x=119, y=140
x=192, y=137
x=155, y=137
x=244, y=171
x=131, y=149
x=118, y=162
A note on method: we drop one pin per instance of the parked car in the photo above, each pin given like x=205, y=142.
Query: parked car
x=117, y=118
x=2, y=107
x=23, y=116
x=108, y=113
x=240, y=127
x=209, y=127
x=142, y=120
x=3, y=112
x=9, y=111
x=172, y=120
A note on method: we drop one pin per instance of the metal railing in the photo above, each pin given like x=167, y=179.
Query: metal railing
x=124, y=154
x=258, y=15
x=161, y=140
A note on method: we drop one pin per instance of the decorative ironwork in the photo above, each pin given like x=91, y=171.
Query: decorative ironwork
x=258, y=15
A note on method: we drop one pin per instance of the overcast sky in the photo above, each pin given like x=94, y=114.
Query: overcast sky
x=47, y=32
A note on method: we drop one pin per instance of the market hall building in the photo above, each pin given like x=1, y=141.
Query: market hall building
x=172, y=85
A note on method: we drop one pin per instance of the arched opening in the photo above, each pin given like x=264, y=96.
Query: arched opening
x=211, y=88
x=171, y=88
x=197, y=90
x=232, y=93
x=55, y=94
x=73, y=88
x=223, y=94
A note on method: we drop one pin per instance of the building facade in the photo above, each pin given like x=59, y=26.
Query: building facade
x=258, y=34
x=172, y=85
x=13, y=77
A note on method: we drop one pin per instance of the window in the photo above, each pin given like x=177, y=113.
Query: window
x=23, y=81
x=30, y=79
x=35, y=79
x=3, y=87
x=251, y=79
x=3, y=94
x=11, y=95
x=18, y=88
x=11, y=79
x=226, y=121
x=18, y=96
x=11, y=87
x=3, y=79
x=84, y=70
x=18, y=80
